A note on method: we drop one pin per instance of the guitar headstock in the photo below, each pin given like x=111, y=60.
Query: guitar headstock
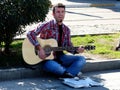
x=90, y=47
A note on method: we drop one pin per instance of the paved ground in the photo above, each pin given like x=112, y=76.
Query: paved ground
x=110, y=80
x=87, y=3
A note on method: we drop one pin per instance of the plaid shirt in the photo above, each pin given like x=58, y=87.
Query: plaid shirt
x=50, y=30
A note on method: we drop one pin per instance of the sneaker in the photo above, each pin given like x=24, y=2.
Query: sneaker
x=66, y=75
x=79, y=76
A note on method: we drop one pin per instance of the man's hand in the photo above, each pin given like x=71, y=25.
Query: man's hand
x=80, y=49
x=41, y=52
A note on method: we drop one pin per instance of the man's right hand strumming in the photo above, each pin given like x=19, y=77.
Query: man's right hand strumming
x=41, y=52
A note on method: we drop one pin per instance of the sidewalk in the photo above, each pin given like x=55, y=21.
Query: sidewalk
x=110, y=80
x=87, y=3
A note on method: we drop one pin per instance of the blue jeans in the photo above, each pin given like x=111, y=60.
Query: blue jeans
x=69, y=63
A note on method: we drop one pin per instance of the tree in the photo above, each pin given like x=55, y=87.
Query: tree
x=15, y=14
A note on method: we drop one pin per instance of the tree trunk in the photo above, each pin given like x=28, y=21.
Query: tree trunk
x=7, y=48
x=7, y=42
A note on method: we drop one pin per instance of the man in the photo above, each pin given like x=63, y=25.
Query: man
x=62, y=64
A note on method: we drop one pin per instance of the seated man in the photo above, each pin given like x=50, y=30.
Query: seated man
x=62, y=64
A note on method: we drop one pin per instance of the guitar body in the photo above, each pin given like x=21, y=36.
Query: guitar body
x=28, y=50
x=49, y=45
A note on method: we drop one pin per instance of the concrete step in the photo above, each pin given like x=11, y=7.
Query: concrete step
x=91, y=66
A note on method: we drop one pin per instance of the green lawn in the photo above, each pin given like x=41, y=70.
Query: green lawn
x=105, y=46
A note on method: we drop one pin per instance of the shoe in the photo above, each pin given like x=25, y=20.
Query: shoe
x=66, y=75
x=79, y=76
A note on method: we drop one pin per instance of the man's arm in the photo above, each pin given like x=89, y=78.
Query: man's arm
x=32, y=36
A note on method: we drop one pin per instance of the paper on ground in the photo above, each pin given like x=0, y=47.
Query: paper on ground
x=86, y=82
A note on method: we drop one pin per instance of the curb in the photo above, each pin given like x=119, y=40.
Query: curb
x=101, y=65
x=91, y=66
x=103, y=5
x=18, y=73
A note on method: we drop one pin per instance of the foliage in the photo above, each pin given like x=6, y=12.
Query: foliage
x=15, y=14
x=15, y=59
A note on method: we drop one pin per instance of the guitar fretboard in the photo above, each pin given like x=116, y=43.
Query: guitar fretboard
x=63, y=48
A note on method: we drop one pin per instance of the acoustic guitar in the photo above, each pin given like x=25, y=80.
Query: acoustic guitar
x=49, y=45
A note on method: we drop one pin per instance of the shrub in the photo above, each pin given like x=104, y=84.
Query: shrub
x=15, y=14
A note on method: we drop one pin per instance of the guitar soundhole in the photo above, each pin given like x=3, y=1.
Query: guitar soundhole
x=47, y=49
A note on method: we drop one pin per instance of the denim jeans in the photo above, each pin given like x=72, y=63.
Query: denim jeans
x=69, y=63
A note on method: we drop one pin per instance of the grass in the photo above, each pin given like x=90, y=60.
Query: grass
x=105, y=46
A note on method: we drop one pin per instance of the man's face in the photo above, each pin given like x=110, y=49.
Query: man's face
x=59, y=14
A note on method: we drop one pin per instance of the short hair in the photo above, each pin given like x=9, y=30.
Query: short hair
x=59, y=5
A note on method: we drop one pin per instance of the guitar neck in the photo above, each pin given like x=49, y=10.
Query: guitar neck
x=63, y=48
x=88, y=47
